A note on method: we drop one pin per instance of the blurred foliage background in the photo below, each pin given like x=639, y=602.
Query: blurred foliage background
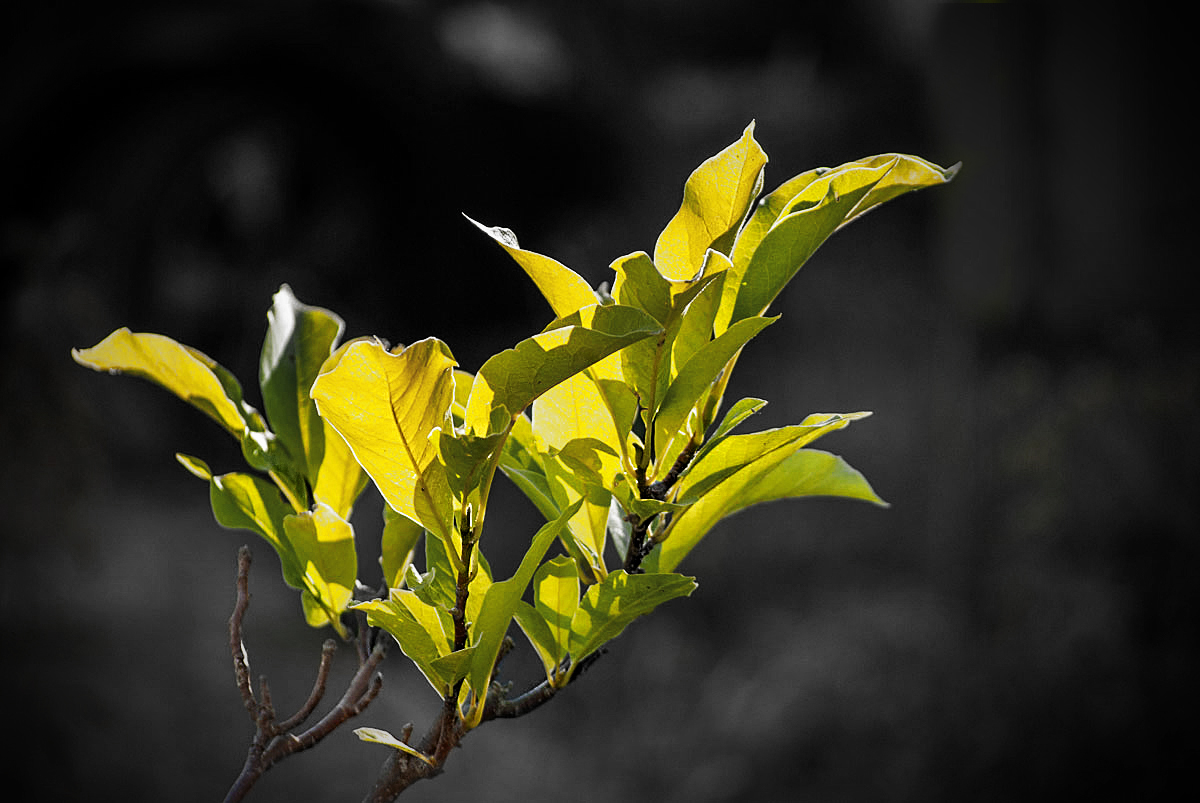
x=1020, y=625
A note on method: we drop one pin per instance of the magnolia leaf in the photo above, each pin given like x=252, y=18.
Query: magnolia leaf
x=555, y=598
x=468, y=456
x=323, y=543
x=639, y=284
x=340, y=479
x=812, y=472
x=620, y=528
x=766, y=212
x=563, y=288
x=583, y=469
x=264, y=452
x=739, y=412
x=820, y=203
x=399, y=541
x=186, y=372
x=245, y=502
x=576, y=408
x=535, y=486
x=521, y=463
x=696, y=318
x=696, y=377
x=647, y=366
x=643, y=509
x=383, y=737
x=716, y=198
x=906, y=173
x=500, y=605
x=299, y=340
x=537, y=630
x=515, y=377
x=386, y=406
x=419, y=629
x=610, y=606
x=782, y=473
x=730, y=453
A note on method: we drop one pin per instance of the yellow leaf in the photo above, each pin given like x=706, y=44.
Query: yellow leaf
x=386, y=406
x=564, y=289
x=716, y=198
x=189, y=374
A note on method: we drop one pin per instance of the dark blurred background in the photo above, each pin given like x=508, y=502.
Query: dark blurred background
x=1020, y=625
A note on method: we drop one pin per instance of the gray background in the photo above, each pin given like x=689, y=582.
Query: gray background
x=1020, y=625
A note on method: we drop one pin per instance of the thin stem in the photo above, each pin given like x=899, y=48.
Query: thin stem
x=274, y=740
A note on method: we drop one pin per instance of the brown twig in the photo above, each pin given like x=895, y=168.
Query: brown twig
x=274, y=740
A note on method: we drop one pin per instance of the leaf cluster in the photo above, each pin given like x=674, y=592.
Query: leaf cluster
x=608, y=419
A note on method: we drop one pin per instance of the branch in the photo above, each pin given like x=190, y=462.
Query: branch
x=402, y=770
x=274, y=740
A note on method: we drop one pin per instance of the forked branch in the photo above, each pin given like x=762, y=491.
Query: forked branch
x=276, y=739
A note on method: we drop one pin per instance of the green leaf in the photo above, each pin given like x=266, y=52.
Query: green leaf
x=732, y=452
x=537, y=630
x=610, y=606
x=383, y=737
x=264, y=452
x=785, y=231
x=648, y=366
x=500, y=605
x=420, y=630
x=556, y=598
x=716, y=198
x=399, y=541
x=739, y=412
x=299, y=340
x=696, y=318
x=781, y=473
x=641, y=508
x=315, y=549
x=386, y=406
x=245, y=502
x=695, y=378
x=905, y=174
x=638, y=284
x=583, y=470
x=323, y=543
x=812, y=472
x=515, y=377
x=563, y=288
x=186, y=372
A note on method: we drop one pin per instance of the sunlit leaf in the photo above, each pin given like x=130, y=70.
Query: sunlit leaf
x=243, y=501
x=732, y=452
x=386, y=407
x=419, y=628
x=184, y=371
x=610, y=606
x=515, y=377
x=563, y=288
x=694, y=379
x=555, y=598
x=399, y=540
x=638, y=284
x=739, y=412
x=299, y=340
x=785, y=231
x=782, y=473
x=323, y=543
x=537, y=630
x=716, y=198
x=500, y=605
x=383, y=737
x=696, y=318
